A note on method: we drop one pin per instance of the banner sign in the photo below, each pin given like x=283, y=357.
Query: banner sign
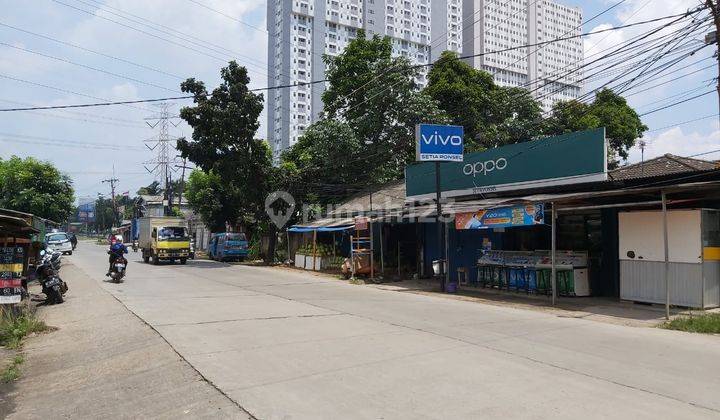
x=361, y=223
x=86, y=212
x=438, y=143
x=501, y=217
x=566, y=159
x=11, y=268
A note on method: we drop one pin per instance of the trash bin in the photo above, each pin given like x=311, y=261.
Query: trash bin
x=438, y=267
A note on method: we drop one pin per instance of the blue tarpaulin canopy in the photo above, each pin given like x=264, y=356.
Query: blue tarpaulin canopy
x=324, y=225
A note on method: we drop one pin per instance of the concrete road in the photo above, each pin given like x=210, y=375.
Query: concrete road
x=286, y=344
x=103, y=362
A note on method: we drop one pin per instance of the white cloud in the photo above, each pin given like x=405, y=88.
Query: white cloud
x=678, y=142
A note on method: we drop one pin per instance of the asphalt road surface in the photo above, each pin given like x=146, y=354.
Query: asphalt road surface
x=292, y=345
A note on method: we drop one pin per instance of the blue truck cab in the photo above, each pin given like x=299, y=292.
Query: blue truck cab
x=228, y=246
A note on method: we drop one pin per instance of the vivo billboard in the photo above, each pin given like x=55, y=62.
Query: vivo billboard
x=438, y=143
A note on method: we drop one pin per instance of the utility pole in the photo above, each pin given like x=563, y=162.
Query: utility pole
x=714, y=37
x=112, y=182
x=642, y=144
x=162, y=143
x=182, y=180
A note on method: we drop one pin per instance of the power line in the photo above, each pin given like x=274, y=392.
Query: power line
x=680, y=16
x=125, y=103
x=172, y=31
x=676, y=103
x=80, y=47
x=683, y=123
x=227, y=16
x=92, y=119
x=621, y=54
x=170, y=41
x=64, y=60
x=268, y=88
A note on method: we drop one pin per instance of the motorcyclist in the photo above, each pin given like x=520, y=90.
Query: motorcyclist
x=117, y=249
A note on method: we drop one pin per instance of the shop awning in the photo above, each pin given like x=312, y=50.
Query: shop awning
x=584, y=199
x=324, y=225
x=15, y=226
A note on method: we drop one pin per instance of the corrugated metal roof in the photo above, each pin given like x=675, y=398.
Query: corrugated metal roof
x=389, y=197
x=327, y=222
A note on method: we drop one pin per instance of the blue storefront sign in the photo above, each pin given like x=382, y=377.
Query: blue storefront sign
x=438, y=143
x=501, y=217
x=570, y=158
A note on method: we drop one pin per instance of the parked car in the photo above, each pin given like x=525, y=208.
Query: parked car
x=59, y=241
x=228, y=246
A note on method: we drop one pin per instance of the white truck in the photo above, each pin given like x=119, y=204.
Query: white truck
x=164, y=239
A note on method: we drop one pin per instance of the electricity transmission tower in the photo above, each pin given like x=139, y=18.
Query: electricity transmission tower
x=163, y=144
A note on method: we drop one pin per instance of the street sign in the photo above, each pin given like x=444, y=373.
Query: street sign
x=438, y=143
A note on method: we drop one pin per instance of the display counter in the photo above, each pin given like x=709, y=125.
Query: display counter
x=530, y=271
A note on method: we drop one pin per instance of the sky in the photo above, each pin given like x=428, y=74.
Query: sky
x=79, y=51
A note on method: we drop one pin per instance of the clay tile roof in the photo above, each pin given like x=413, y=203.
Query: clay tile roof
x=662, y=165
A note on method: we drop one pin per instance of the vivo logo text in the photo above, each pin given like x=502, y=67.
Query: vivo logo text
x=438, y=143
x=484, y=168
x=436, y=138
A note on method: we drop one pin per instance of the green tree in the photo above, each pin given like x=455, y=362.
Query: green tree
x=324, y=158
x=610, y=110
x=105, y=217
x=152, y=189
x=491, y=115
x=367, y=132
x=215, y=201
x=224, y=147
x=36, y=187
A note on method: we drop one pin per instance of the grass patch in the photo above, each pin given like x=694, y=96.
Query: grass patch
x=705, y=323
x=12, y=371
x=15, y=325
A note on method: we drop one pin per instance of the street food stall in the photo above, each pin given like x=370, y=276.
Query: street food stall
x=20, y=237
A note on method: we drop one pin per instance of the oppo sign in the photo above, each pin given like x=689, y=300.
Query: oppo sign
x=485, y=167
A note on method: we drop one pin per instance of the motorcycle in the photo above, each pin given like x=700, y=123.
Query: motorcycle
x=135, y=246
x=118, y=269
x=47, y=274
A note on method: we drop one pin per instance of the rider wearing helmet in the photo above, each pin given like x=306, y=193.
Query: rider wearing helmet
x=117, y=249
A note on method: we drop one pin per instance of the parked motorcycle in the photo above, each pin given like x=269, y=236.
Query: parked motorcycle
x=118, y=269
x=47, y=273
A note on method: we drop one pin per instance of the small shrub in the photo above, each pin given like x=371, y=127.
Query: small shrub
x=705, y=323
x=12, y=371
x=14, y=326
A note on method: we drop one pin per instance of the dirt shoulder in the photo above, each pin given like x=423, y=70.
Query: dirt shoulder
x=104, y=362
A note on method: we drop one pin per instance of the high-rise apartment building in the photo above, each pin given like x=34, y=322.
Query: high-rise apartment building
x=301, y=31
x=544, y=70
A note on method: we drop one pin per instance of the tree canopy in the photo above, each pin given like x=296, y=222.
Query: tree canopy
x=36, y=187
x=367, y=131
x=491, y=115
x=225, y=149
x=153, y=189
x=623, y=125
